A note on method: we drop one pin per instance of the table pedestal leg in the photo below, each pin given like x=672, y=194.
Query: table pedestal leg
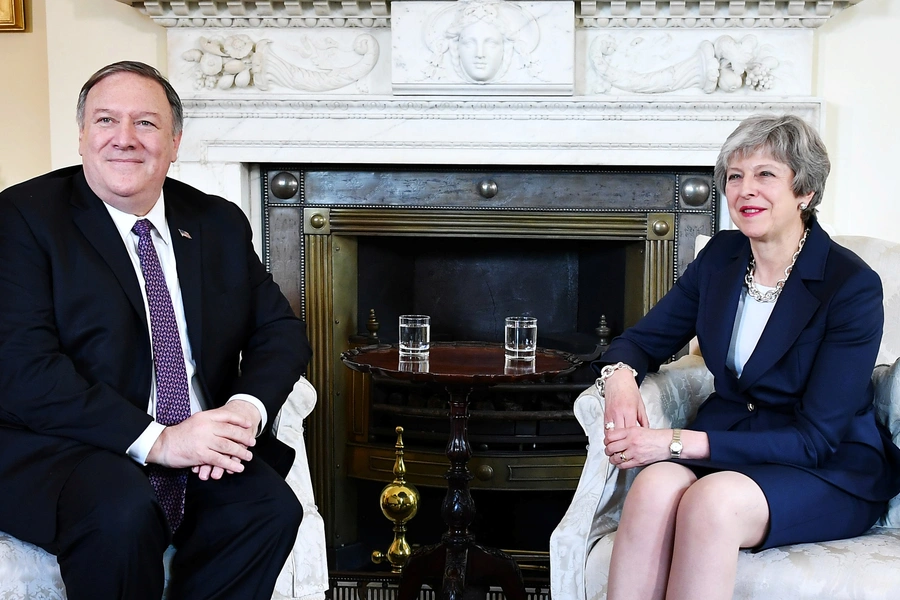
x=466, y=569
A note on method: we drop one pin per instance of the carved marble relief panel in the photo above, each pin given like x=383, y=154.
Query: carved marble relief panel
x=726, y=63
x=482, y=47
x=230, y=62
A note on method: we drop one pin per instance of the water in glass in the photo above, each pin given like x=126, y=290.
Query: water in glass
x=521, y=337
x=415, y=335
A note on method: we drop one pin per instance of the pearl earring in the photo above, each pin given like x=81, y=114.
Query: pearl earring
x=803, y=206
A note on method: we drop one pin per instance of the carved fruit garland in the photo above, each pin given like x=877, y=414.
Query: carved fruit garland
x=238, y=61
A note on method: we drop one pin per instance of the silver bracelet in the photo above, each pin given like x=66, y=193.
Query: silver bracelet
x=607, y=371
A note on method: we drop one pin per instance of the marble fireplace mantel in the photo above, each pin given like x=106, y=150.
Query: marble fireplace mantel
x=589, y=82
x=281, y=85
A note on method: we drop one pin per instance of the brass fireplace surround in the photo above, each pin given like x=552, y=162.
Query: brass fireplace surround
x=315, y=216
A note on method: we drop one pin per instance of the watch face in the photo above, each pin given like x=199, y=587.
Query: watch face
x=676, y=447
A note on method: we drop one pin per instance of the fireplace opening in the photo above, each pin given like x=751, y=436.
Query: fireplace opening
x=468, y=286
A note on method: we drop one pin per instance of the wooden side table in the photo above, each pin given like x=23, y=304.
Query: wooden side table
x=465, y=568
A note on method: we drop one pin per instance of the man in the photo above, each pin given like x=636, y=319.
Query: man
x=144, y=352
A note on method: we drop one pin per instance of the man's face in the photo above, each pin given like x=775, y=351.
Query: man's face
x=127, y=142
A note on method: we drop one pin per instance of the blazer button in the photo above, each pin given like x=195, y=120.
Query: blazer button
x=751, y=407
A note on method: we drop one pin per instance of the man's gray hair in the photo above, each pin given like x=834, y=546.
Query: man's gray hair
x=790, y=140
x=138, y=68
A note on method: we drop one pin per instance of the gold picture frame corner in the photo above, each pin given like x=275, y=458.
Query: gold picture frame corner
x=12, y=15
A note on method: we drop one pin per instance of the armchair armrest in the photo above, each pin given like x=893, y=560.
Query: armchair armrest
x=671, y=397
x=305, y=574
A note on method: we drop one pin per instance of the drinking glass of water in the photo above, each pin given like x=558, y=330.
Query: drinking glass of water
x=415, y=336
x=521, y=337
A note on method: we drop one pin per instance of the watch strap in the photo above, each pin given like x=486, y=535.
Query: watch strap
x=676, y=446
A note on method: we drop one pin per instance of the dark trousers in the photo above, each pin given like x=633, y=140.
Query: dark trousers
x=236, y=534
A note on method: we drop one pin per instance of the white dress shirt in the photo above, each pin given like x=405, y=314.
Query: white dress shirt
x=162, y=241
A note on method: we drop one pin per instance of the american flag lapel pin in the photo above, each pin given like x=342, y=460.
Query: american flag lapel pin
x=185, y=234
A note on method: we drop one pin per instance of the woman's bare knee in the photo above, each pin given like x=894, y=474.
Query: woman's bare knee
x=658, y=486
x=725, y=504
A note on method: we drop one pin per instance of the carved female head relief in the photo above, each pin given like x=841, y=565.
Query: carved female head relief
x=482, y=39
x=481, y=44
x=483, y=47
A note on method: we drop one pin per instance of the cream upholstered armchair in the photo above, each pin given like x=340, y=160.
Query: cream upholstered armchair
x=862, y=568
x=29, y=573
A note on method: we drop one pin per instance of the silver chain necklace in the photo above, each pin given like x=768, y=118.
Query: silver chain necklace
x=771, y=295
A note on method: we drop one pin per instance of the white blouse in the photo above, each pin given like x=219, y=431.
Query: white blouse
x=749, y=322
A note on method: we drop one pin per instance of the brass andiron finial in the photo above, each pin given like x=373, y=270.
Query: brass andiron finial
x=603, y=331
x=399, y=503
x=372, y=327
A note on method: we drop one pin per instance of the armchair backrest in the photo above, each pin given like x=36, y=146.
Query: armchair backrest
x=884, y=257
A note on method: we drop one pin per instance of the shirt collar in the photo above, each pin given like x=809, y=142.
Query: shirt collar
x=157, y=216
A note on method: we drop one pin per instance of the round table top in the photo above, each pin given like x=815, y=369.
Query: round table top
x=460, y=362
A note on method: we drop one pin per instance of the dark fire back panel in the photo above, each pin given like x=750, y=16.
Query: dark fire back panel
x=469, y=285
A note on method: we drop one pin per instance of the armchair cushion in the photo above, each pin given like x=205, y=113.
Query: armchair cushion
x=26, y=571
x=860, y=567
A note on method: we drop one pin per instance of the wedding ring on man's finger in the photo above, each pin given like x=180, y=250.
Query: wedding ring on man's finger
x=623, y=457
x=609, y=425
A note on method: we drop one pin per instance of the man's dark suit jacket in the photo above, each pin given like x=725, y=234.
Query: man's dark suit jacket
x=75, y=359
x=809, y=378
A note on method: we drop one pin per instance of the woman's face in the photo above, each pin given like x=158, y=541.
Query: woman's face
x=481, y=51
x=761, y=200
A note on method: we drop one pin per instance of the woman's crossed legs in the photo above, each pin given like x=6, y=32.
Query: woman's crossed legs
x=679, y=536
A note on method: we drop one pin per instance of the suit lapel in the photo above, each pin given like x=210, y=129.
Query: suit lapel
x=795, y=307
x=186, y=233
x=723, y=295
x=92, y=218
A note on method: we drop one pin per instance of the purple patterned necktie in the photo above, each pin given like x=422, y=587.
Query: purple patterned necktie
x=173, y=403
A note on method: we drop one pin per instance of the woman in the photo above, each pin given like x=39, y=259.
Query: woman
x=787, y=449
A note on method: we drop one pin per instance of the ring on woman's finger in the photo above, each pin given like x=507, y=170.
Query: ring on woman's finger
x=623, y=457
x=609, y=425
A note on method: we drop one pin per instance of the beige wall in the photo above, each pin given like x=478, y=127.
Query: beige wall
x=44, y=68
x=856, y=75
x=85, y=35
x=24, y=110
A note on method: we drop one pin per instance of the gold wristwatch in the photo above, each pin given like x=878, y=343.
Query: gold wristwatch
x=676, y=446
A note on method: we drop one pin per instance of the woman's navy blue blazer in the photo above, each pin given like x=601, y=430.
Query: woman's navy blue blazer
x=804, y=398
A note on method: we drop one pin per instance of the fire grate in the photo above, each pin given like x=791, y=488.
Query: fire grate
x=384, y=586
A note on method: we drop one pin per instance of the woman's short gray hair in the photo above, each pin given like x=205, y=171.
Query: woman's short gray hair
x=790, y=140
x=138, y=68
